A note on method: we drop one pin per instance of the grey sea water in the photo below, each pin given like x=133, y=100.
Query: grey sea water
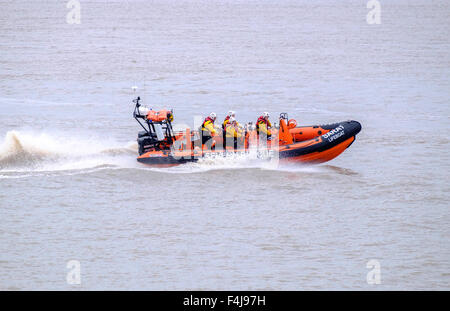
x=71, y=189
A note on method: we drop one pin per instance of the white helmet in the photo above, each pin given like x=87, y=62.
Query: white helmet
x=266, y=114
x=231, y=120
x=231, y=113
x=213, y=115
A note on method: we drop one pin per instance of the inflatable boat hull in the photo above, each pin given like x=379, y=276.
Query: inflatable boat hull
x=311, y=144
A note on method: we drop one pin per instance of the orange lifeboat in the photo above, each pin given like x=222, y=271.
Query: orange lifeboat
x=160, y=146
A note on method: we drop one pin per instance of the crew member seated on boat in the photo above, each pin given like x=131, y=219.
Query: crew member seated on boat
x=263, y=125
x=233, y=131
x=209, y=130
x=170, y=116
x=230, y=114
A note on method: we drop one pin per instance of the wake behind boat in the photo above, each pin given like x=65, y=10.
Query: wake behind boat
x=159, y=145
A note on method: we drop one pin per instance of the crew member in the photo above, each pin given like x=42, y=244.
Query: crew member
x=208, y=130
x=170, y=116
x=263, y=125
x=230, y=114
x=224, y=125
x=233, y=130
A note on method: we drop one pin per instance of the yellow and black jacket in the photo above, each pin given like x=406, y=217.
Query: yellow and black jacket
x=233, y=130
x=208, y=127
x=263, y=126
x=225, y=122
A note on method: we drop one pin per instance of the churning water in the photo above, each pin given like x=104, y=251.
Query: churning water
x=71, y=189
